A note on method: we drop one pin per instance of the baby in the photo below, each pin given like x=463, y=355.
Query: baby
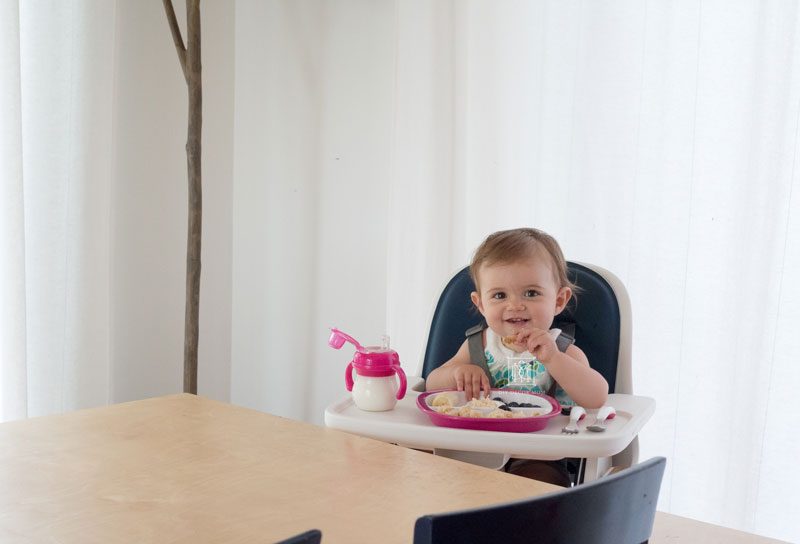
x=521, y=284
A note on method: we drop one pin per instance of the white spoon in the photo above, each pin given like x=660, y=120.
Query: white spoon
x=604, y=413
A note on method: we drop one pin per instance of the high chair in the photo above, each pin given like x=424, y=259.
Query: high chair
x=598, y=316
x=618, y=509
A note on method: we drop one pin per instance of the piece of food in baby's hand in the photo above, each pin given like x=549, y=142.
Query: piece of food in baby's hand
x=511, y=343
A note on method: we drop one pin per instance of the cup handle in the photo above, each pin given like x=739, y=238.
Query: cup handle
x=401, y=392
x=348, y=376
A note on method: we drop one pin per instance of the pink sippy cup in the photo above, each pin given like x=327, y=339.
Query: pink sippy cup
x=375, y=388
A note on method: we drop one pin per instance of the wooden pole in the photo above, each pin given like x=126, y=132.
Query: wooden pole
x=189, y=58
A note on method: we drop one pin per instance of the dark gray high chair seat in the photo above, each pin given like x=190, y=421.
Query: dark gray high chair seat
x=616, y=509
x=598, y=317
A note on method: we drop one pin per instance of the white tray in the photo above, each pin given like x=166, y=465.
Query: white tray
x=408, y=426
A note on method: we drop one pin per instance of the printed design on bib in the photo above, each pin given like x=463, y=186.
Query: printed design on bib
x=527, y=373
x=523, y=373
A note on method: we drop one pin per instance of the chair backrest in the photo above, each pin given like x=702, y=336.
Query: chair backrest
x=313, y=536
x=616, y=509
x=598, y=317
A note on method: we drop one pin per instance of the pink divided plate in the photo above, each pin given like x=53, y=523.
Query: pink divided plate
x=547, y=406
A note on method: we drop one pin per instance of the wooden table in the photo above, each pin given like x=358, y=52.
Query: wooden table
x=182, y=469
x=669, y=529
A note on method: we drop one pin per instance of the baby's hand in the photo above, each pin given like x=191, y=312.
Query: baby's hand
x=471, y=379
x=539, y=343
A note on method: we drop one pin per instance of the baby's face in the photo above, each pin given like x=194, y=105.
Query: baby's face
x=519, y=295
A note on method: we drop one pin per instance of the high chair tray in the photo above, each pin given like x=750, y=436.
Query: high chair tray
x=528, y=412
x=409, y=426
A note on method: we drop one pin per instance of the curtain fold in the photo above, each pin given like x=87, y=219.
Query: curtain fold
x=57, y=96
x=93, y=204
x=13, y=369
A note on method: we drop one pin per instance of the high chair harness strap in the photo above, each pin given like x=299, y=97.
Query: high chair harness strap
x=477, y=354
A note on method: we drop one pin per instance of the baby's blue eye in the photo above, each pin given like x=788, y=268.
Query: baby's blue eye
x=530, y=293
x=499, y=296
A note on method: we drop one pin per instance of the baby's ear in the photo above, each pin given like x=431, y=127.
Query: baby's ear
x=476, y=300
x=563, y=296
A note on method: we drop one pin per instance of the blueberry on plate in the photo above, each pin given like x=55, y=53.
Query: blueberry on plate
x=504, y=407
x=514, y=404
x=498, y=399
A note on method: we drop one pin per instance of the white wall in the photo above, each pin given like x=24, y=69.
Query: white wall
x=307, y=144
x=149, y=210
x=297, y=169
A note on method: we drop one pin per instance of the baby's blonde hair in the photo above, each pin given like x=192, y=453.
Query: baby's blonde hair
x=508, y=246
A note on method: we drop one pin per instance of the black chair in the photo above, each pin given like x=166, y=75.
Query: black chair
x=616, y=509
x=314, y=536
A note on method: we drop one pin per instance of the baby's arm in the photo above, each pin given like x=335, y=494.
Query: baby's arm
x=583, y=384
x=459, y=373
x=570, y=369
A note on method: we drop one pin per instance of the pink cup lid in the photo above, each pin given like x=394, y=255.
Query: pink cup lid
x=375, y=361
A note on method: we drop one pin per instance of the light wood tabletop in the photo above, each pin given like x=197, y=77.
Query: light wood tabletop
x=182, y=469
x=187, y=469
x=671, y=529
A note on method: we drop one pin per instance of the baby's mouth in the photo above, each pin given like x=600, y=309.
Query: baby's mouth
x=517, y=322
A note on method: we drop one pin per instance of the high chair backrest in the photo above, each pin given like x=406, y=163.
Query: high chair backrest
x=598, y=316
x=616, y=509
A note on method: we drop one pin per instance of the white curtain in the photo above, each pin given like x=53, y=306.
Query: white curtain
x=93, y=204
x=376, y=144
x=56, y=160
x=660, y=141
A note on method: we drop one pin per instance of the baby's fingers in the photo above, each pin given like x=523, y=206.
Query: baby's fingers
x=469, y=387
x=459, y=381
x=487, y=386
x=464, y=383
